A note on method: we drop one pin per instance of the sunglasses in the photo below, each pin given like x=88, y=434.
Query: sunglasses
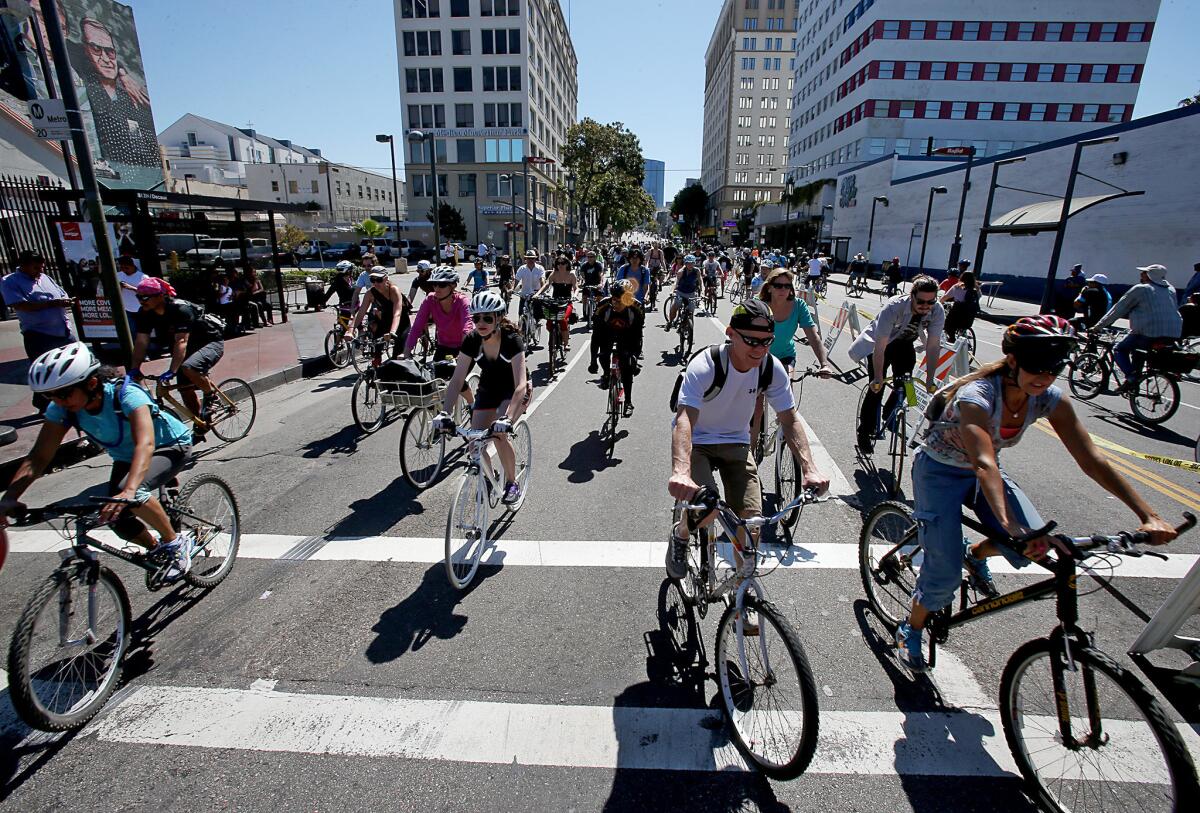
x=926, y=302
x=101, y=49
x=61, y=394
x=783, y=286
x=750, y=341
x=145, y=297
x=483, y=318
x=443, y=285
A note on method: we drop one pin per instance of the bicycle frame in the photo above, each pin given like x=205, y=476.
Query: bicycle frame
x=163, y=396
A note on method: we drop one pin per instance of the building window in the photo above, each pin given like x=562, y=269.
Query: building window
x=1099, y=73
x=1025, y=32
x=1054, y=32
x=750, y=24
x=465, y=150
x=1116, y=113
x=970, y=31
x=881, y=109
x=410, y=9
x=887, y=70
x=916, y=30
x=464, y=115
x=460, y=42
x=1091, y=112
x=1017, y=72
x=1004, y=146
x=460, y=8
x=908, y=110
x=945, y=30
x=421, y=116
x=1108, y=32
x=750, y=43
x=933, y=110
x=937, y=70
x=1045, y=73
x=1082, y=30
x=466, y=185
x=912, y=70
x=274, y=186
x=1037, y=112
x=747, y=63
x=958, y=110
x=903, y=145
x=964, y=71
x=999, y=31
x=991, y=71
x=499, y=8
x=423, y=80
x=1012, y=111
x=1137, y=32
x=891, y=29
x=314, y=186
x=985, y=110
x=747, y=83
x=294, y=187
x=501, y=40
x=1072, y=73
x=1064, y=112
x=462, y=80
x=1125, y=73
x=422, y=43
x=191, y=139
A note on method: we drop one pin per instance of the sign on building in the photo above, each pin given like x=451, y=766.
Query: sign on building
x=49, y=119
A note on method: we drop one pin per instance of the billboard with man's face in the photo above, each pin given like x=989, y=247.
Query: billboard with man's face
x=109, y=79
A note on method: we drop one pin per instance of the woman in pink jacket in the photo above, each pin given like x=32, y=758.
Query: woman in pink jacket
x=450, y=311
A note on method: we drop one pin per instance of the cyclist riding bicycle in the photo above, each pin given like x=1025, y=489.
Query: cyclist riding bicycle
x=816, y=271
x=421, y=281
x=1153, y=313
x=636, y=273
x=958, y=465
x=194, y=341
x=148, y=447
x=687, y=286
x=790, y=314
x=619, y=320
x=448, y=309
x=591, y=275
x=562, y=283
x=340, y=285
x=889, y=341
x=858, y=271
x=711, y=433
x=505, y=274
x=390, y=312
x=478, y=276
x=962, y=305
x=530, y=277
x=495, y=346
x=712, y=272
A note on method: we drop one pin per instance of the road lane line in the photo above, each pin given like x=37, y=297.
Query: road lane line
x=567, y=553
x=584, y=350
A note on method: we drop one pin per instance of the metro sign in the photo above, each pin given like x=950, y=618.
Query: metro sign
x=959, y=151
x=537, y=159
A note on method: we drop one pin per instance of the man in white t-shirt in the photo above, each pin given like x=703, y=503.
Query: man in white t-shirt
x=815, y=268
x=712, y=430
x=481, y=251
x=530, y=277
x=128, y=276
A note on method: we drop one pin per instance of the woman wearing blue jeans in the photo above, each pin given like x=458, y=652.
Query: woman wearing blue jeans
x=958, y=466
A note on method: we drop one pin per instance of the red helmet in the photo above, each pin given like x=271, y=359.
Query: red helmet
x=1040, y=343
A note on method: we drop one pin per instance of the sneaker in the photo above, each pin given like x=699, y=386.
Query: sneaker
x=180, y=553
x=512, y=493
x=677, y=557
x=908, y=648
x=628, y=409
x=979, y=575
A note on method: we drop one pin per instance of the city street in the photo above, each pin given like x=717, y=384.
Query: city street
x=336, y=668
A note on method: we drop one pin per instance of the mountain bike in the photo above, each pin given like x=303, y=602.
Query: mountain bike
x=1153, y=394
x=337, y=345
x=69, y=645
x=894, y=425
x=229, y=410
x=1066, y=706
x=554, y=311
x=767, y=690
x=468, y=526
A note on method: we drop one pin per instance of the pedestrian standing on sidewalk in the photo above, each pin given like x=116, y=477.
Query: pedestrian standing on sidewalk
x=128, y=277
x=41, y=305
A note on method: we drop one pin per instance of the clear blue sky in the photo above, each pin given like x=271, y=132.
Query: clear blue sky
x=324, y=74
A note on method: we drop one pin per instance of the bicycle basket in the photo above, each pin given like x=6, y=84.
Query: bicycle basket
x=1175, y=362
x=403, y=372
x=553, y=311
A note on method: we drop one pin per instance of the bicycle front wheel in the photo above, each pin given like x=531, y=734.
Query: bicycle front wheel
x=1156, y=399
x=66, y=653
x=1087, y=376
x=366, y=405
x=466, y=530
x=789, y=473
x=889, y=558
x=232, y=410
x=1125, y=754
x=767, y=687
x=898, y=441
x=208, y=509
x=422, y=452
x=522, y=443
x=337, y=349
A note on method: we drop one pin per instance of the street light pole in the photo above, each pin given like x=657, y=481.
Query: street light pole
x=933, y=190
x=871, y=231
x=787, y=218
x=391, y=142
x=415, y=136
x=525, y=163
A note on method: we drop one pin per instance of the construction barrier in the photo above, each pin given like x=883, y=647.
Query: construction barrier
x=846, y=315
x=953, y=362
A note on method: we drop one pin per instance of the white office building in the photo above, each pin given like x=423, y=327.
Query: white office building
x=493, y=85
x=876, y=77
x=211, y=151
x=335, y=194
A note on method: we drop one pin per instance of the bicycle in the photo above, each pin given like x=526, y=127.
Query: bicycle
x=894, y=425
x=68, y=648
x=967, y=333
x=710, y=298
x=857, y=285
x=616, y=402
x=789, y=472
x=229, y=410
x=1153, y=394
x=686, y=326
x=367, y=407
x=531, y=328
x=1082, y=705
x=656, y=285
x=776, y=732
x=468, y=524
x=422, y=449
x=554, y=311
x=591, y=295
x=337, y=346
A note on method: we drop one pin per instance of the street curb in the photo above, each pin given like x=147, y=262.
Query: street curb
x=69, y=452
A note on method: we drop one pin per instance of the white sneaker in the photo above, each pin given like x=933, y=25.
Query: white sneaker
x=181, y=562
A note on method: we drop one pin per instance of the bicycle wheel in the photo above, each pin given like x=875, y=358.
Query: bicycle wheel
x=232, y=410
x=360, y=355
x=522, y=443
x=462, y=412
x=1156, y=399
x=207, y=507
x=422, y=452
x=1126, y=754
x=898, y=448
x=970, y=334
x=889, y=558
x=789, y=473
x=614, y=418
x=767, y=687
x=666, y=309
x=466, y=530
x=337, y=349
x=366, y=405
x=61, y=667
x=552, y=339
x=1087, y=376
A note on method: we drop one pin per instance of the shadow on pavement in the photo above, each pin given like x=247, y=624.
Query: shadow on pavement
x=589, y=455
x=342, y=442
x=374, y=515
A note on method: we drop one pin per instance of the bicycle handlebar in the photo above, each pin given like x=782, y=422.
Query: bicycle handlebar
x=1126, y=543
x=707, y=499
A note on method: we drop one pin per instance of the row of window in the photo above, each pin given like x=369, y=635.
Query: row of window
x=382, y=195
x=763, y=121
x=768, y=83
x=430, y=80
x=866, y=148
x=991, y=72
x=768, y=63
x=984, y=111
x=496, y=185
x=759, y=177
x=420, y=9
x=765, y=159
x=502, y=114
x=765, y=103
x=744, y=140
x=769, y=44
x=772, y=23
x=491, y=41
x=495, y=150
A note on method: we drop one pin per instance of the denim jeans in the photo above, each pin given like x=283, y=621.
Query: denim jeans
x=941, y=492
x=1125, y=348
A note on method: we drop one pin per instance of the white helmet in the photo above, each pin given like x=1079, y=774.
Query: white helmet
x=344, y=265
x=424, y=265
x=486, y=302
x=444, y=273
x=62, y=367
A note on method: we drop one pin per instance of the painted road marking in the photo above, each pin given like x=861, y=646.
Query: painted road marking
x=564, y=553
x=951, y=743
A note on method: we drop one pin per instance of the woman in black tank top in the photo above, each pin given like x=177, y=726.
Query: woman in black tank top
x=562, y=283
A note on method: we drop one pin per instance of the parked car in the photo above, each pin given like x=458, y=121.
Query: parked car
x=179, y=243
x=216, y=250
x=341, y=251
x=415, y=250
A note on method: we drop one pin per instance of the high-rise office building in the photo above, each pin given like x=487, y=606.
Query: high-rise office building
x=876, y=77
x=655, y=181
x=492, y=83
x=747, y=105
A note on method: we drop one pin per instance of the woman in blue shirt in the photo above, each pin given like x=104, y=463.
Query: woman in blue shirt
x=148, y=447
x=779, y=292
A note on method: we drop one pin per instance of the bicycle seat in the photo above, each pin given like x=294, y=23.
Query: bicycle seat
x=1164, y=344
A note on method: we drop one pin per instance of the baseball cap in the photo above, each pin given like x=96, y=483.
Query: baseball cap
x=1101, y=278
x=753, y=314
x=1156, y=272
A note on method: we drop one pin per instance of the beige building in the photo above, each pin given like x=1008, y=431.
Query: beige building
x=493, y=83
x=748, y=82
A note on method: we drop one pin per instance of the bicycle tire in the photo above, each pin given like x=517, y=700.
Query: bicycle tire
x=422, y=453
x=1177, y=788
x=522, y=443
x=23, y=682
x=898, y=449
x=360, y=355
x=337, y=349
x=461, y=414
x=368, y=416
x=970, y=334
x=666, y=310
x=215, y=519
x=785, y=759
x=614, y=416
x=1087, y=376
x=889, y=585
x=789, y=473
x=1157, y=398
x=466, y=531
x=232, y=421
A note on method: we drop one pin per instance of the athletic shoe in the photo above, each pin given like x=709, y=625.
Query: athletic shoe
x=628, y=409
x=979, y=574
x=181, y=556
x=908, y=648
x=512, y=493
x=677, y=557
x=604, y=381
x=593, y=369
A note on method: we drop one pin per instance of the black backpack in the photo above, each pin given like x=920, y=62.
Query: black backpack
x=766, y=373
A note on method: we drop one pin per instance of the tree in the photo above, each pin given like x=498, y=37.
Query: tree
x=1189, y=101
x=370, y=228
x=289, y=237
x=450, y=220
x=691, y=202
x=606, y=162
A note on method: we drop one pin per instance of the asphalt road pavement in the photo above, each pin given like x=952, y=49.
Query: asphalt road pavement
x=337, y=669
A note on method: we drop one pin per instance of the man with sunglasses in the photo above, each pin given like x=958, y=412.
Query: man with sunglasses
x=194, y=342
x=890, y=342
x=390, y=311
x=711, y=432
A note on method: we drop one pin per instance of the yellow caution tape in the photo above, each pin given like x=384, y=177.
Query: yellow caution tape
x=1186, y=465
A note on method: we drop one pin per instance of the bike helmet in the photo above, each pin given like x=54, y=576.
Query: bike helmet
x=62, y=367
x=424, y=265
x=619, y=288
x=344, y=266
x=444, y=273
x=691, y=258
x=487, y=302
x=1040, y=344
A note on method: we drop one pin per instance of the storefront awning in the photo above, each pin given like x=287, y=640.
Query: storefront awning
x=1044, y=216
